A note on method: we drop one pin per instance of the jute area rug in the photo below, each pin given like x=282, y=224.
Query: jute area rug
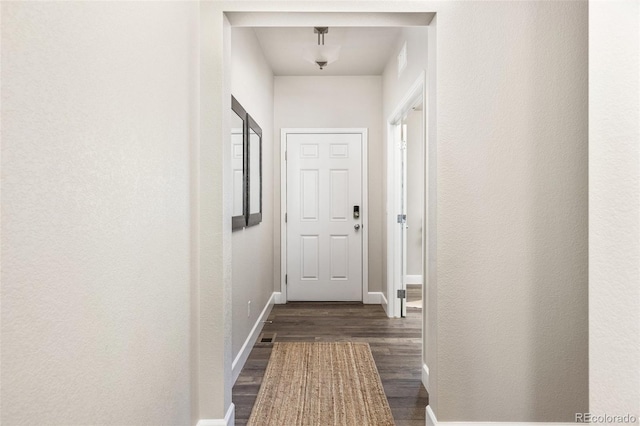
x=323, y=384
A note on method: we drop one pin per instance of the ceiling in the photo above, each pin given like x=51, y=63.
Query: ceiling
x=362, y=50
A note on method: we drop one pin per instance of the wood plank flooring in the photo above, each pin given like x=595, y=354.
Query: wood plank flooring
x=395, y=344
x=414, y=292
x=414, y=296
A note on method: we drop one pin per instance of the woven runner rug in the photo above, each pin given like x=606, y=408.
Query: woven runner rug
x=317, y=383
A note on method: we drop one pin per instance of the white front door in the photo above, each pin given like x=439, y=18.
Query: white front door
x=324, y=234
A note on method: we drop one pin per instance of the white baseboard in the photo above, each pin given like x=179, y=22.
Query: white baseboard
x=245, y=350
x=279, y=298
x=431, y=420
x=413, y=279
x=373, y=298
x=229, y=419
x=385, y=303
x=425, y=377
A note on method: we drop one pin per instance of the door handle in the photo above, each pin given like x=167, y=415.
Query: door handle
x=356, y=226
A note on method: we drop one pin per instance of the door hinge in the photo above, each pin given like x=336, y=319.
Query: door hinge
x=402, y=218
x=285, y=156
x=286, y=279
x=285, y=218
x=402, y=294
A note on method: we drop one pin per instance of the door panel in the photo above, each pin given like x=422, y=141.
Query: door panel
x=309, y=195
x=339, y=196
x=339, y=257
x=324, y=248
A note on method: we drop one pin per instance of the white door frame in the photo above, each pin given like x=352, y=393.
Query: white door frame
x=416, y=93
x=211, y=261
x=364, y=216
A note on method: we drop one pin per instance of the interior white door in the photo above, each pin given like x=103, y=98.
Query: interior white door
x=403, y=220
x=324, y=236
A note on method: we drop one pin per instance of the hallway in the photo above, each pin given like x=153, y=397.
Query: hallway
x=395, y=344
x=128, y=297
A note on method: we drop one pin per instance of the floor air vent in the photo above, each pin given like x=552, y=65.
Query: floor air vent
x=267, y=337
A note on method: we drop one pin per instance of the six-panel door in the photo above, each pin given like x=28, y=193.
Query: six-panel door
x=324, y=242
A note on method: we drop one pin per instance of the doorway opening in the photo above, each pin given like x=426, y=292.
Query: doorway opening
x=412, y=178
x=333, y=98
x=406, y=201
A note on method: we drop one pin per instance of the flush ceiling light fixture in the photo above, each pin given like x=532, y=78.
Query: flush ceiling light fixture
x=321, y=54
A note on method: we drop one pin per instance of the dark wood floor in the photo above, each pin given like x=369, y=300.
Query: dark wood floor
x=414, y=292
x=395, y=344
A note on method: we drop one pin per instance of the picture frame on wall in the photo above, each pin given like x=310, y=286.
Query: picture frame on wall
x=246, y=163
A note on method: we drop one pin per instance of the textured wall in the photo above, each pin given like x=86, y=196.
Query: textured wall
x=510, y=283
x=96, y=129
x=336, y=102
x=252, y=85
x=512, y=210
x=614, y=208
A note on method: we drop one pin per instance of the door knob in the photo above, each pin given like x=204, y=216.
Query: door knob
x=356, y=226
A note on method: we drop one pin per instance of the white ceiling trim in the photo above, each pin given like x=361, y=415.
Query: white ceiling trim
x=333, y=19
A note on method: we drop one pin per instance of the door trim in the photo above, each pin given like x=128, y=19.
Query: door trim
x=366, y=296
x=416, y=93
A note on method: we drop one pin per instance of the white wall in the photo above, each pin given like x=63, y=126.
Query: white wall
x=252, y=86
x=98, y=104
x=614, y=208
x=354, y=101
x=396, y=86
x=511, y=175
x=512, y=211
x=415, y=192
